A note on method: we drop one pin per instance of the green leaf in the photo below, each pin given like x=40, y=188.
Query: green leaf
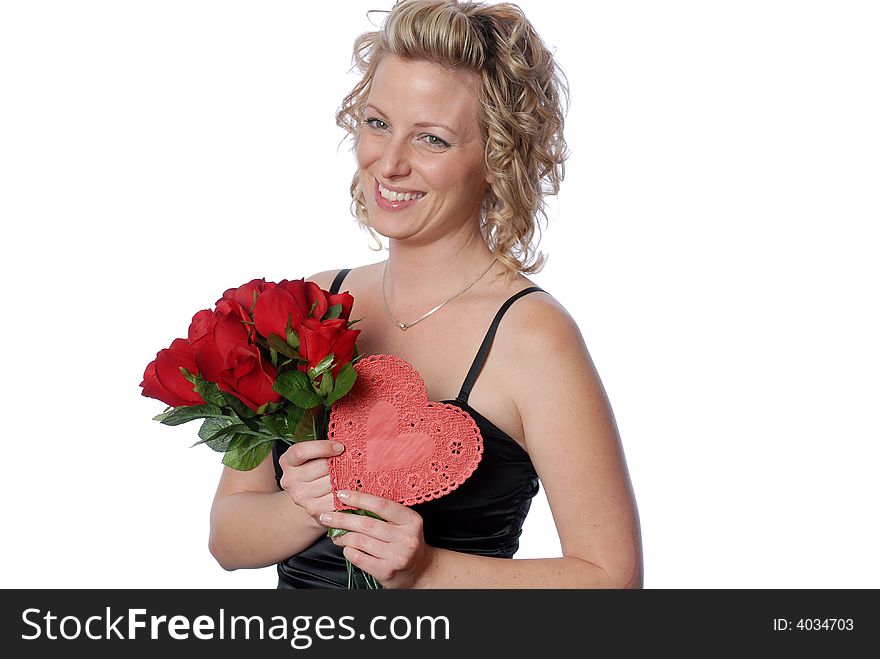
x=314, y=304
x=165, y=413
x=181, y=415
x=326, y=387
x=277, y=343
x=246, y=452
x=292, y=339
x=294, y=416
x=220, y=438
x=241, y=410
x=277, y=424
x=243, y=429
x=212, y=433
x=321, y=366
x=332, y=312
x=209, y=391
x=344, y=382
x=211, y=427
x=306, y=429
x=294, y=385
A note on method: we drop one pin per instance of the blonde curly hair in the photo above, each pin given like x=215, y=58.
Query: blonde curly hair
x=523, y=98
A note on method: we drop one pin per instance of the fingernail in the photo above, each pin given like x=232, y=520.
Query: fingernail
x=338, y=447
x=326, y=518
x=343, y=494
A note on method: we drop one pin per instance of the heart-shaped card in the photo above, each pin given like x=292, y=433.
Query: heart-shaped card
x=398, y=444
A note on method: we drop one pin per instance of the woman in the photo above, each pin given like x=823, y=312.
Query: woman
x=458, y=130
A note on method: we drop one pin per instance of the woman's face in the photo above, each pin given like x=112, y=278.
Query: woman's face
x=420, y=153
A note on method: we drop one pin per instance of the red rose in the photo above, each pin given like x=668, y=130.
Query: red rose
x=244, y=294
x=318, y=339
x=308, y=295
x=163, y=379
x=292, y=302
x=227, y=357
x=202, y=326
x=345, y=299
x=248, y=378
x=275, y=309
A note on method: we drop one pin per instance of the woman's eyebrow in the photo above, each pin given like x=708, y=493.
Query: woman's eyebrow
x=373, y=107
x=436, y=124
x=421, y=124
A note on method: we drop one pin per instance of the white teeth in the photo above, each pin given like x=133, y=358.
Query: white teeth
x=399, y=196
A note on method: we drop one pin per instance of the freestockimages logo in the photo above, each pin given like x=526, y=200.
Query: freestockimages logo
x=300, y=631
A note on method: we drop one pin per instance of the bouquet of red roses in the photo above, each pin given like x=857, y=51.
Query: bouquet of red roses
x=266, y=363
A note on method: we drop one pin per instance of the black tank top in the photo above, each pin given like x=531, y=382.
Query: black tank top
x=483, y=516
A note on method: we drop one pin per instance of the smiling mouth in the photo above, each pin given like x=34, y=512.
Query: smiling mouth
x=397, y=197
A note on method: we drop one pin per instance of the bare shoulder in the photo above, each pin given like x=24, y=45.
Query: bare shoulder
x=546, y=365
x=325, y=279
x=537, y=324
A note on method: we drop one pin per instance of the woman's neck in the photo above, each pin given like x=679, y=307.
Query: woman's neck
x=425, y=273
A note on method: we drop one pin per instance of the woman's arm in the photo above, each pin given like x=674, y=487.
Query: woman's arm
x=255, y=524
x=573, y=442
x=572, y=439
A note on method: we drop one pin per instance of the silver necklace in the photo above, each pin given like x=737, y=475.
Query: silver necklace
x=405, y=326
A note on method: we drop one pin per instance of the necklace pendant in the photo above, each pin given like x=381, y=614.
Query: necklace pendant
x=403, y=326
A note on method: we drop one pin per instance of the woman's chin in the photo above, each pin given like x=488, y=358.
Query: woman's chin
x=388, y=232
x=394, y=226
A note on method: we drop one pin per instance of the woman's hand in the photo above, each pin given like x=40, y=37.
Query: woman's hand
x=307, y=476
x=391, y=549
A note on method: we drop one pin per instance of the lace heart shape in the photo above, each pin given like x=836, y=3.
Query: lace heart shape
x=398, y=444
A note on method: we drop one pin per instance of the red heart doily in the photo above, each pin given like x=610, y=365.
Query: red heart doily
x=398, y=444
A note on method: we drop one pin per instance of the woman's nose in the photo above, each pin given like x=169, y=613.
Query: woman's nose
x=394, y=160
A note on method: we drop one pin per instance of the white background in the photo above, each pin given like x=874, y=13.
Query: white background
x=715, y=239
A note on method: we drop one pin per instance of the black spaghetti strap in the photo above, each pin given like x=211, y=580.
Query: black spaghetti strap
x=337, y=282
x=483, y=352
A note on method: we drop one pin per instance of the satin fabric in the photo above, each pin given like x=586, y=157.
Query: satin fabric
x=483, y=516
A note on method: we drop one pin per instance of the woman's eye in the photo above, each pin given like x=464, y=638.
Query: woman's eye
x=433, y=140
x=378, y=124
